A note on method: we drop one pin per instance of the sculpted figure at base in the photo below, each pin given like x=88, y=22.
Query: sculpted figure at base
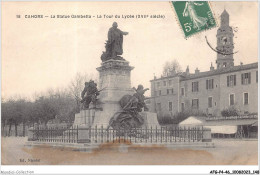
x=140, y=96
x=89, y=94
x=114, y=44
x=129, y=117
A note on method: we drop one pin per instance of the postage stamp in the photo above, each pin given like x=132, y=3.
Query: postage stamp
x=194, y=16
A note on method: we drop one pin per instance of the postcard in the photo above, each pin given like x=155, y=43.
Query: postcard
x=130, y=83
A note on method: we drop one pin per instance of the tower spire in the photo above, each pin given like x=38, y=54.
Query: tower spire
x=225, y=44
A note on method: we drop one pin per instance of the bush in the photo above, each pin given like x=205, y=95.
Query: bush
x=164, y=119
x=232, y=111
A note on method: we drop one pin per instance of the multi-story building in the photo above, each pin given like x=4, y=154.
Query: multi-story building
x=212, y=91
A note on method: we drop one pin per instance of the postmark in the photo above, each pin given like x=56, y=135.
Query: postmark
x=194, y=16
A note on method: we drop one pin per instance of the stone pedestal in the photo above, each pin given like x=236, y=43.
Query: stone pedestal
x=84, y=118
x=150, y=120
x=83, y=135
x=206, y=135
x=31, y=134
x=115, y=80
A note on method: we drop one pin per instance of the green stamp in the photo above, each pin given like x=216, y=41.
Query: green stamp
x=194, y=16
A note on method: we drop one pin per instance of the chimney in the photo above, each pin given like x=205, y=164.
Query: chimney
x=173, y=72
x=211, y=67
x=187, y=70
x=197, y=71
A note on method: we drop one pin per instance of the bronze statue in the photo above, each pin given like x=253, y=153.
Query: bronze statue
x=129, y=117
x=114, y=44
x=140, y=96
x=92, y=93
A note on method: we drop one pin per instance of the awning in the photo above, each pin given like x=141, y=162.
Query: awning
x=255, y=124
x=224, y=129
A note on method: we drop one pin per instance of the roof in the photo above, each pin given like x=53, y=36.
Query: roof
x=219, y=71
x=196, y=120
x=231, y=122
x=224, y=13
x=192, y=120
x=255, y=124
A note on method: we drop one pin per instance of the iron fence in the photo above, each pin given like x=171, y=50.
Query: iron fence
x=134, y=135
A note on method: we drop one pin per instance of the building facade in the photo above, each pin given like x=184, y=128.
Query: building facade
x=227, y=86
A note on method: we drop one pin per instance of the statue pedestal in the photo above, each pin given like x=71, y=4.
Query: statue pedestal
x=115, y=80
x=84, y=118
x=150, y=120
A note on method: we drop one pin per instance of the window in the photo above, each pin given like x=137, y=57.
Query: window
x=195, y=103
x=169, y=91
x=170, y=106
x=158, y=107
x=195, y=86
x=210, y=84
x=231, y=80
x=210, y=101
x=164, y=83
x=182, y=107
x=170, y=82
x=182, y=91
x=224, y=64
x=155, y=93
x=231, y=99
x=158, y=84
x=246, y=98
x=159, y=92
x=246, y=78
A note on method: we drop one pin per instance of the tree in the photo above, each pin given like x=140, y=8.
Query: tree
x=44, y=110
x=5, y=114
x=14, y=112
x=171, y=67
x=77, y=85
x=56, y=103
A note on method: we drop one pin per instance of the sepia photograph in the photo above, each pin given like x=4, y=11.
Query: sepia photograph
x=130, y=83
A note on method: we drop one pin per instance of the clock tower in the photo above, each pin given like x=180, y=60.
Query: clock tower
x=225, y=43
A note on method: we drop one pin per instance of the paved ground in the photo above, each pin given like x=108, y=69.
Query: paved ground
x=226, y=152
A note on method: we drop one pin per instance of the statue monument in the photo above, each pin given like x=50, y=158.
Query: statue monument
x=112, y=103
x=114, y=44
x=89, y=94
x=116, y=104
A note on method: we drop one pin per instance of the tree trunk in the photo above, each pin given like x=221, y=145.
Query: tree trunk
x=3, y=128
x=23, y=128
x=10, y=125
x=15, y=126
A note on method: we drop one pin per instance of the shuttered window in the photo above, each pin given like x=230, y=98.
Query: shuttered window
x=231, y=80
x=195, y=86
x=246, y=78
x=210, y=84
x=210, y=101
x=195, y=103
x=231, y=99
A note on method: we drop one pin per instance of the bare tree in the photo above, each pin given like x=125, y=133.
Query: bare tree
x=77, y=85
x=171, y=67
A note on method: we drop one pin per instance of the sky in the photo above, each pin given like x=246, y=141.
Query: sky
x=43, y=53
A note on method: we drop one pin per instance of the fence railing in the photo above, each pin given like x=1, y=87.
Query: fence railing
x=102, y=135
x=251, y=116
x=145, y=135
